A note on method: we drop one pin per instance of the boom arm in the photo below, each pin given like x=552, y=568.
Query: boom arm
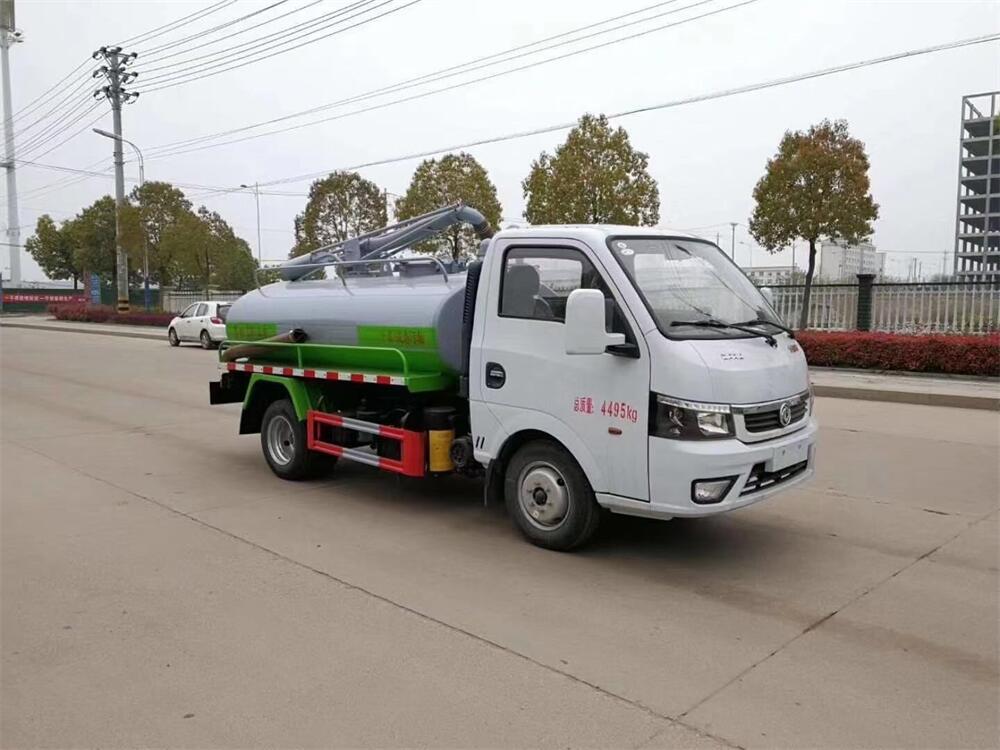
x=385, y=242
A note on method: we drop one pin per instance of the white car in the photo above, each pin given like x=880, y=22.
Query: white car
x=204, y=322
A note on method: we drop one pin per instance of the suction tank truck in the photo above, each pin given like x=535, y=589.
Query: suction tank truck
x=575, y=369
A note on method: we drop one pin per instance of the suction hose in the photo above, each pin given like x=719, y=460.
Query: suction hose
x=255, y=349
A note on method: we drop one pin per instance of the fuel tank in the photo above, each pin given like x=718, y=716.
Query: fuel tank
x=421, y=314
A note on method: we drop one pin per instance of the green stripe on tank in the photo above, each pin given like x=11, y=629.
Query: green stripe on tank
x=400, y=337
x=251, y=331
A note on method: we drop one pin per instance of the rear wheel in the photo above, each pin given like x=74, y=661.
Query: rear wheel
x=172, y=338
x=283, y=441
x=549, y=498
x=206, y=340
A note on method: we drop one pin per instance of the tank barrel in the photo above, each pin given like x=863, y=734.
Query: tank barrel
x=383, y=242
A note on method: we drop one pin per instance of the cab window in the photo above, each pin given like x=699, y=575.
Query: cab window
x=536, y=283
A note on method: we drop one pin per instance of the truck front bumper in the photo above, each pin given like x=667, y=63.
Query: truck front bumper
x=757, y=470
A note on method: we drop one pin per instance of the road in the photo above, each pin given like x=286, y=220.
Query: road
x=161, y=588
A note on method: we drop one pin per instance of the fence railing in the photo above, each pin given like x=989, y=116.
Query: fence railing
x=176, y=300
x=949, y=307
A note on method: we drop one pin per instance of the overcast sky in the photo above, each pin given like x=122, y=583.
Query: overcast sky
x=706, y=156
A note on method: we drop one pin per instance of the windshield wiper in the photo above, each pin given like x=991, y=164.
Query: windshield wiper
x=713, y=323
x=760, y=321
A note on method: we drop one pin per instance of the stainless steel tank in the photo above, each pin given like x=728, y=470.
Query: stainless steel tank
x=413, y=314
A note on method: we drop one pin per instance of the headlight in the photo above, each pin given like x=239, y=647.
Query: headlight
x=689, y=420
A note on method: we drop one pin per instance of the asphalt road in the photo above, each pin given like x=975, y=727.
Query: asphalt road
x=160, y=587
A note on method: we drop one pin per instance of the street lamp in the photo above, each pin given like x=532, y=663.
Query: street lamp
x=256, y=192
x=145, y=239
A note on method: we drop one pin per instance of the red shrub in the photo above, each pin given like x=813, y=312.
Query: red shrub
x=107, y=314
x=957, y=355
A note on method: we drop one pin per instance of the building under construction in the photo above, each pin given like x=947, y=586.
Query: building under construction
x=977, y=226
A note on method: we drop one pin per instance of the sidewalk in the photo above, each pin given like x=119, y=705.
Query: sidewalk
x=47, y=323
x=867, y=385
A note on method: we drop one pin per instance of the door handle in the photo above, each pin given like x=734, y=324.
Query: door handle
x=496, y=376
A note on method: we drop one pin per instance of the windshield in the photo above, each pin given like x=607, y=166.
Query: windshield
x=684, y=281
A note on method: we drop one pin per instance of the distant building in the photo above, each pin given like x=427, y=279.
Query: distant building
x=977, y=226
x=839, y=261
x=772, y=275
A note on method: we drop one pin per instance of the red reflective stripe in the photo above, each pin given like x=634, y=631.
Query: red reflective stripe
x=357, y=377
x=286, y=370
x=247, y=368
x=391, y=432
x=383, y=379
x=267, y=370
x=231, y=366
x=309, y=373
x=331, y=375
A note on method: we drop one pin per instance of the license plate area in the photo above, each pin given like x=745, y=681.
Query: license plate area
x=788, y=455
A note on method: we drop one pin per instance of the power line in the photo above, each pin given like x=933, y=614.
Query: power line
x=435, y=75
x=155, y=56
x=85, y=113
x=170, y=82
x=470, y=82
x=184, y=20
x=42, y=97
x=774, y=83
x=240, y=50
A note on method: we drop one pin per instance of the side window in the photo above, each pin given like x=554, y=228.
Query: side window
x=537, y=281
x=189, y=312
x=201, y=311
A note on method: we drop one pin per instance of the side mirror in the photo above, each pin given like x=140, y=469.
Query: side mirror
x=585, y=332
x=768, y=295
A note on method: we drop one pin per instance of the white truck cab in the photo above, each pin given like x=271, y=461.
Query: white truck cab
x=618, y=343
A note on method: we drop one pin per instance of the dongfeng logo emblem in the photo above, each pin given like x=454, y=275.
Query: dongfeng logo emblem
x=785, y=415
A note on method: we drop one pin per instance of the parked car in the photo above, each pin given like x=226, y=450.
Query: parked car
x=204, y=322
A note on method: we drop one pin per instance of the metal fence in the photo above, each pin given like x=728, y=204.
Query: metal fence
x=952, y=307
x=176, y=300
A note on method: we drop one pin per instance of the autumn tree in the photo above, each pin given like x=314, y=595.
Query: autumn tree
x=340, y=206
x=815, y=186
x=451, y=179
x=595, y=177
x=53, y=249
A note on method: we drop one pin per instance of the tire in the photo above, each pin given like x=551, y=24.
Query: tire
x=206, y=340
x=549, y=498
x=172, y=338
x=283, y=442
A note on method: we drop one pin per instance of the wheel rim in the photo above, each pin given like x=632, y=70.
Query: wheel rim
x=281, y=440
x=173, y=336
x=205, y=341
x=543, y=495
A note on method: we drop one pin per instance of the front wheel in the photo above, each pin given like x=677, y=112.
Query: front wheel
x=283, y=441
x=172, y=338
x=549, y=498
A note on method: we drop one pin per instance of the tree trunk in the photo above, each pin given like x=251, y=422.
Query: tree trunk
x=807, y=292
x=455, y=245
x=75, y=279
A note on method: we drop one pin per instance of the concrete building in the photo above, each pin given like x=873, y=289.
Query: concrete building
x=839, y=261
x=977, y=225
x=772, y=275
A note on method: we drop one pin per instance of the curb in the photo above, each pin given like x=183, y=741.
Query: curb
x=72, y=329
x=955, y=400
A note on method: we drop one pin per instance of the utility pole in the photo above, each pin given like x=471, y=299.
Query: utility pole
x=256, y=192
x=9, y=37
x=732, y=246
x=114, y=70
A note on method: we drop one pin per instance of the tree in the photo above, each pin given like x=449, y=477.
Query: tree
x=815, y=186
x=451, y=179
x=53, y=249
x=207, y=252
x=159, y=205
x=93, y=237
x=340, y=206
x=595, y=177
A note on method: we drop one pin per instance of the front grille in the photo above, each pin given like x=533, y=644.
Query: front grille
x=762, y=421
x=761, y=480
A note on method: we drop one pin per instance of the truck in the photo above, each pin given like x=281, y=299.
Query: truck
x=574, y=370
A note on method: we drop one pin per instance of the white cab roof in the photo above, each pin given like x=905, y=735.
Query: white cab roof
x=590, y=233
